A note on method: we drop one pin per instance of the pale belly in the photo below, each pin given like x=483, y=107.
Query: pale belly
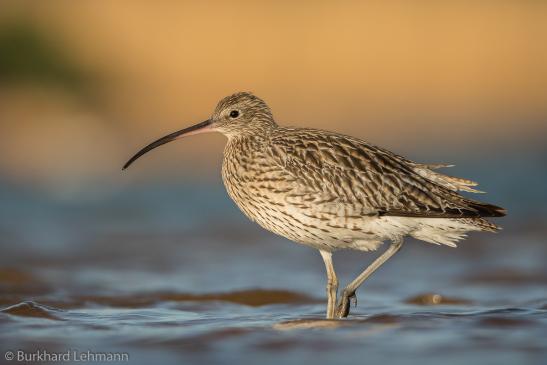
x=271, y=209
x=264, y=197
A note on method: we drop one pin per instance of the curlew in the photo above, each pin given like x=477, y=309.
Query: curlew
x=331, y=191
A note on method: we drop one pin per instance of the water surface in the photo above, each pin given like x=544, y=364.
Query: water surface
x=150, y=275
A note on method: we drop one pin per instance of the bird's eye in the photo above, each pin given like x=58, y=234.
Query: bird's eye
x=234, y=114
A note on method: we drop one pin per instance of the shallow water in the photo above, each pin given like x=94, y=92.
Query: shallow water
x=125, y=276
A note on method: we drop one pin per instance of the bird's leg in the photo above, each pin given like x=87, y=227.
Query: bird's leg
x=349, y=290
x=332, y=283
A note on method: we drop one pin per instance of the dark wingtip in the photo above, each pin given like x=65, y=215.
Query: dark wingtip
x=490, y=210
x=502, y=212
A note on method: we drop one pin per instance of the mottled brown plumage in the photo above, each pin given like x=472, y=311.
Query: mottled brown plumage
x=332, y=191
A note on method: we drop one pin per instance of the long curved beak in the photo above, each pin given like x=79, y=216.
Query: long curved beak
x=205, y=126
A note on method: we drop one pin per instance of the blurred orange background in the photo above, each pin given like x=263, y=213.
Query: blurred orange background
x=106, y=77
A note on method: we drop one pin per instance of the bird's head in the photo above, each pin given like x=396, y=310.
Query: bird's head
x=239, y=114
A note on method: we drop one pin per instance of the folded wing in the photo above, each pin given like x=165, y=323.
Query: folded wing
x=349, y=176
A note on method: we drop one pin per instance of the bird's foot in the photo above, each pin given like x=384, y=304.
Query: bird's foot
x=342, y=310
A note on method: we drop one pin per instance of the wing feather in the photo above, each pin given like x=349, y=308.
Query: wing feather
x=338, y=172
